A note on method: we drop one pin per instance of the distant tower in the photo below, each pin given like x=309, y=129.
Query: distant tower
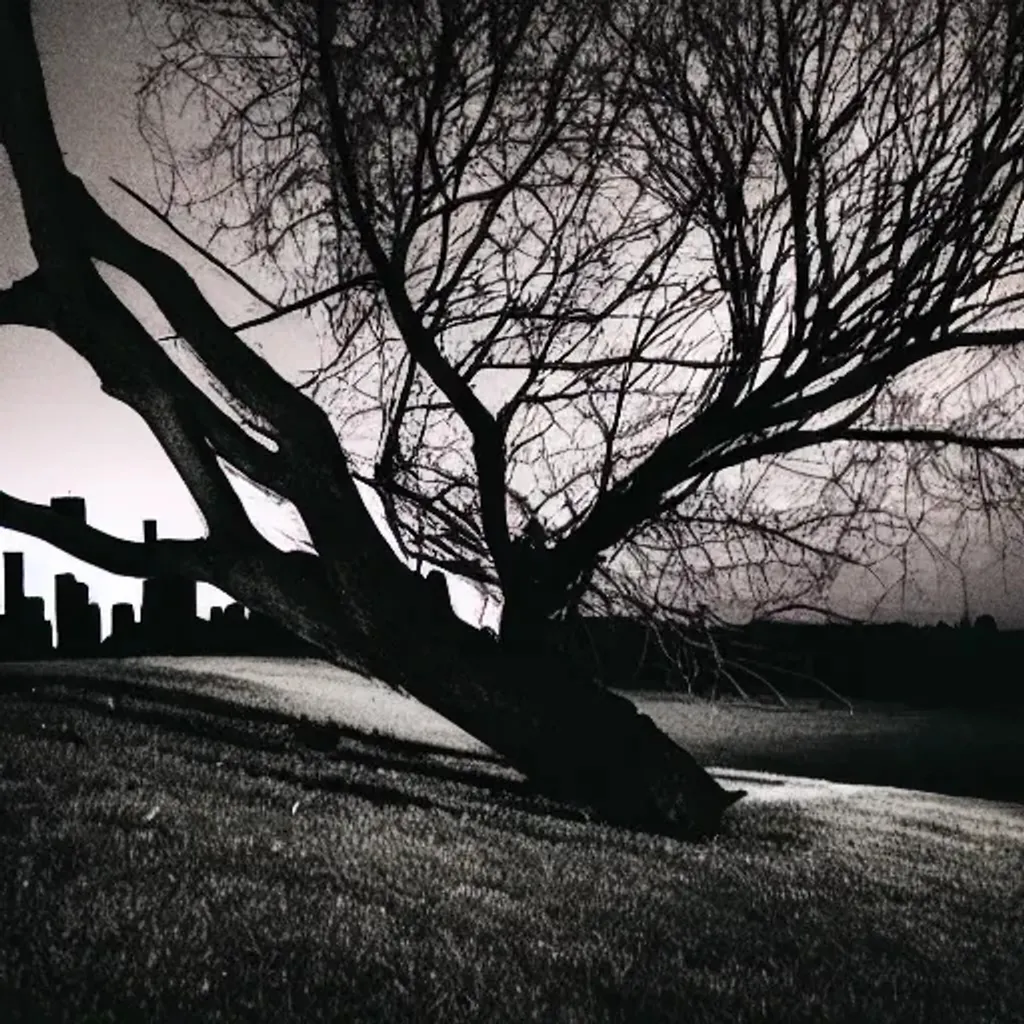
x=169, y=614
x=38, y=637
x=35, y=610
x=168, y=608
x=24, y=630
x=72, y=507
x=14, y=584
x=74, y=618
x=122, y=619
x=124, y=637
x=92, y=629
x=215, y=640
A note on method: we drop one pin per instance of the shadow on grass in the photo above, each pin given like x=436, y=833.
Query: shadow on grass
x=327, y=752
x=233, y=718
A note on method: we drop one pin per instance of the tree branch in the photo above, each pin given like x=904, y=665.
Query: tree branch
x=283, y=310
x=925, y=436
x=122, y=557
x=277, y=309
x=27, y=303
x=197, y=248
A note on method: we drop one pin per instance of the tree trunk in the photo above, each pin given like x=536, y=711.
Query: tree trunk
x=576, y=740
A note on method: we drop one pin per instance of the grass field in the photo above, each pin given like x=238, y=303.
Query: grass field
x=959, y=753
x=187, y=855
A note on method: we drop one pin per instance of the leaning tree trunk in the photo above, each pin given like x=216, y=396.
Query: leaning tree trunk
x=576, y=740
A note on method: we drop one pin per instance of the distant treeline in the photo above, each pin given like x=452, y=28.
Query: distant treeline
x=939, y=665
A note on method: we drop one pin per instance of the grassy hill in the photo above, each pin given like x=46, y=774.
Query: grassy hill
x=173, y=847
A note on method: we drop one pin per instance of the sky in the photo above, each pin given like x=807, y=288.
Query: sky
x=60, y=435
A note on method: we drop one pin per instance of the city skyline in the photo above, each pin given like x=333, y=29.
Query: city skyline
x=168, y=621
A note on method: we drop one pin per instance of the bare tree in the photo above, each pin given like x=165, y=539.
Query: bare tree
x=746, y=273
x=350, y=593
x=623, y=295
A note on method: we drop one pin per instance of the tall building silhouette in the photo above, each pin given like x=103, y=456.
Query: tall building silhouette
x=169, y=621
x=122, y=619
x=78, y=620
x=24, y=630
x=14, y=583
x=125, y=636
x=35, y=629
x=92, y=628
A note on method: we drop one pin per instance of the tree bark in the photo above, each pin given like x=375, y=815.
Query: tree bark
x=576, y=740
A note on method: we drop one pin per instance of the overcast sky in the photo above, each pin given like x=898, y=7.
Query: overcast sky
x=59, y=435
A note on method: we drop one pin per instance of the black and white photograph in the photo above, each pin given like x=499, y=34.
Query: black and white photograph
x=512, y=511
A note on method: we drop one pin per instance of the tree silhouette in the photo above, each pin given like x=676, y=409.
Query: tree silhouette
x=576, y=741
x=630, y=273
x=600, y=280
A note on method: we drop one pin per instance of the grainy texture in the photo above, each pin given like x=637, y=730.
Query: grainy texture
x=187, y=862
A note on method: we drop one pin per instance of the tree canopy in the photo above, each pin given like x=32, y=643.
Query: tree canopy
x=674, y=306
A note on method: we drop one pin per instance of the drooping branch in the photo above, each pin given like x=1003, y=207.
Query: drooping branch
x=122, y=557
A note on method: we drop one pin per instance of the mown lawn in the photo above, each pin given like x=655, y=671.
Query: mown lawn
x=166, y=862
x=960, y=753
